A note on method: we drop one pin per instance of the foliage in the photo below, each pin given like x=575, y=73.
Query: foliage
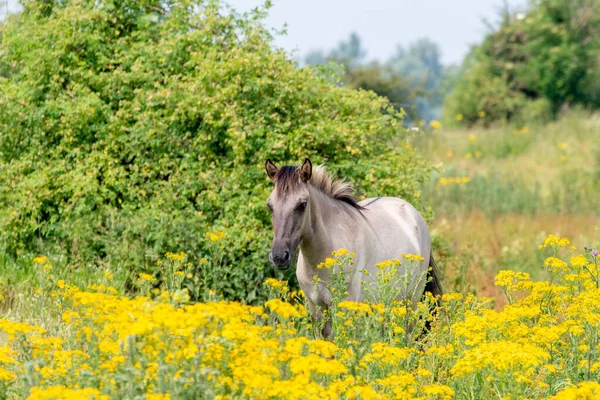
x=421, y=64
x=130, y=128
x=413, y=79
x=385, y=82
x=505, y=173
x=549, y=56
x=498, y=190
x=544, y=344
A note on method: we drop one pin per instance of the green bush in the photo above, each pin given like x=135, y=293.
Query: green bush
x=549, y=56
x=132, y=128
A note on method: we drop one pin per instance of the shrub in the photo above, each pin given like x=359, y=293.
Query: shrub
x=550, y=53
x=132, y=128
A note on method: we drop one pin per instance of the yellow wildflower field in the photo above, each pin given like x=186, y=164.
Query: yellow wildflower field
x=543, y=344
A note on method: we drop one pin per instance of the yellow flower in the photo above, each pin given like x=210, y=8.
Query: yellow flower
x=435, y=124
x=329, y=263
x=158, y=396
x=355, y=306
x=177, y=257
x=501, y=355
x=556, y=264
x=472, y=138
x=40, y=260
x=6, y=375
x=64, y=393
x=362, y=392
x=511, y=280
x=453, y=180
x=276, y=284
x=584, y=390
x=283, y=309
x=554, y=241
x=578, y=261
x=383, y=354
x=317, y=364
x=459, y=117
x=340, y=253
x=413, y=257
x=215, y=236
x=482, y=114
x=147, y=277
x=438, y=390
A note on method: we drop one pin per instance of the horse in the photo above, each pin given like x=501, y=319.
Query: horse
x=320, y=214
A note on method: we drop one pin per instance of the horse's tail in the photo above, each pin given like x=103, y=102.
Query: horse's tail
x=434, y=283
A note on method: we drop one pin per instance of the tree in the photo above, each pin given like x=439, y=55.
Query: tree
x=421, y=65
x=350, y=53
x=534, y=63
x=383, y=80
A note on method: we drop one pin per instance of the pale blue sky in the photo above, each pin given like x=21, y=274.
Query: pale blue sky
x=314, y=24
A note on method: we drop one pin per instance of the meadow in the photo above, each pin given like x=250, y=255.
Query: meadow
x=498, y=191
x=72, y=341
x=519, y=320
x=134, y=233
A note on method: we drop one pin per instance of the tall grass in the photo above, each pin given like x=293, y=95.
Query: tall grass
x=496, y=191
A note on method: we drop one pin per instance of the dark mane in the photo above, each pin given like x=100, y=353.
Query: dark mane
x=288, y=178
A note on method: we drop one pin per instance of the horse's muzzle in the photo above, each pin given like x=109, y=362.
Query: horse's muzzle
x=281, y=259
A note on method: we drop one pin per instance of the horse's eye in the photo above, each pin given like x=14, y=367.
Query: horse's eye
x=270, y=208
x=301, y=206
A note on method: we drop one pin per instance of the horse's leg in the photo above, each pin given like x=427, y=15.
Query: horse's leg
x=328, y=330
x=317, y=317
x=316, y=314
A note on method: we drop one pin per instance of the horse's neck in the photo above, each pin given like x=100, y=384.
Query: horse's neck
x=322, y=236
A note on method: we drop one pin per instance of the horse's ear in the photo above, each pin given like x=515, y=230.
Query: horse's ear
x=306, y=170
x=271, y=169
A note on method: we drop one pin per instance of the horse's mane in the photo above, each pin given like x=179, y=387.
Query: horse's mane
x=338, y=189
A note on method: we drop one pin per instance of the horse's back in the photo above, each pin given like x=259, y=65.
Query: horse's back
x=398, y=224
x=397, y=228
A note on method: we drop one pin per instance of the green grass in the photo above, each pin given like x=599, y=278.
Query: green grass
x=523, y=183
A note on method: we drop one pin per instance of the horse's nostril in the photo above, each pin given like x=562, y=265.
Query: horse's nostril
x=286, y=255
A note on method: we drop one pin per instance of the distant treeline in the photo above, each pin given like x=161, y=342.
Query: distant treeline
x=532, y=65
x=529, y=66
x=413, y=79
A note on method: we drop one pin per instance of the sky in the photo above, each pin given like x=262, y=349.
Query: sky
x=382, y=24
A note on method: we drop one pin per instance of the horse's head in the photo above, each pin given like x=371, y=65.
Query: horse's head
x=289, y=206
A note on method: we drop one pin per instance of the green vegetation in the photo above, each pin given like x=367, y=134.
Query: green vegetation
x=133, y=128
x=497, y=192
x=133, y=131
x=412, y=79
x=98, y=343
x=532, y=65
